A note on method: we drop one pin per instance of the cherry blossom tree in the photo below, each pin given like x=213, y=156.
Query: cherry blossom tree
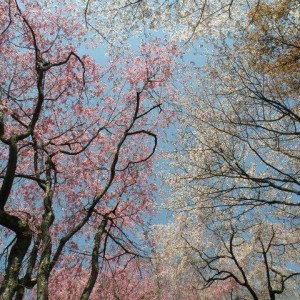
x=184, y=20
x=241, y=143
x=208, y=259
x=119, y=283
x=234, y=180
x=77, y=141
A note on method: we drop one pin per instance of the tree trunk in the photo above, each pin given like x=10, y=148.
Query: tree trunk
x=17, y=253
x=95, y=261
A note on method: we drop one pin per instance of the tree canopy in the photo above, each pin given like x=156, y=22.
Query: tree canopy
x=79, y=179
